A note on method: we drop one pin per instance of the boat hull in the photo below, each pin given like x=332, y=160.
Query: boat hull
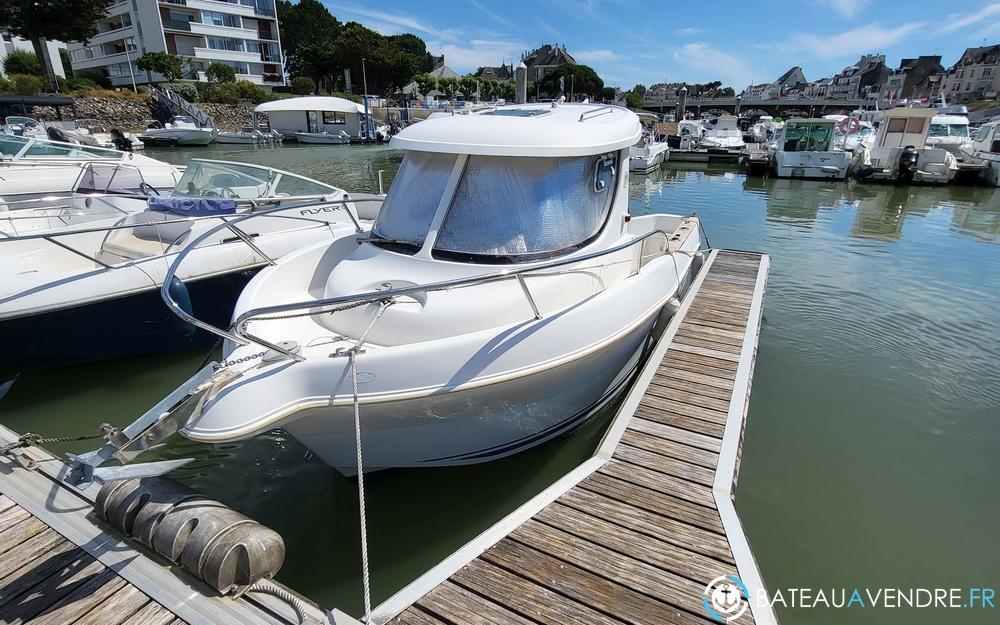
x=132, y=325
x=475, y=425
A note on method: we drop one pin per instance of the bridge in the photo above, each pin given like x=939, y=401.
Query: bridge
x=787, y=107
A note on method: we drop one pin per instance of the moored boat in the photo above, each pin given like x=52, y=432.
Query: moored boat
x=900, y=152
x=180, y=130
x=804, y=149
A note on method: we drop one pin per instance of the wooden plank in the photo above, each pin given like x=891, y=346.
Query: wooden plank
x=416, y=616
x=683, y=404
x=582, y=586
x=701, y=359
x=703, y=351
x=643, y=547
x=660, y=482
x=117, y=608
x=44, y=567
x=711, y=323
x=668, y=375
x=452, y=602
x=19, y=533
x=45, y=593
x=673, y=419
x=87, y=594
x=672, y=381
x=675, y=434
x=633, y=495
x=150, y=614
x=665, y=464
x=527, y=598
x=31, y=552
x=12, y=516
x=706, y=334
x=697, y=367
x=600, y=560
x=5, y=502
x=706, y=343
x=664, y=447
x=704, y=398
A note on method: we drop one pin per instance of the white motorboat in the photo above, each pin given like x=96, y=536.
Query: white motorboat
x=180, y=130
x=690, y=132
x=950, y=132
x=88, y=291
x=900, y=152
x=765, y=130
x=249, y=136
x=804, y=149
x=32, y=168
x=338, y=138
x=653, y=152
x=851, y=132
x=984, y=150
x=723, y=133
x=503, y=295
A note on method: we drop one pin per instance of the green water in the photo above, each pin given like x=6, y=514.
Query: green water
x=871, y=452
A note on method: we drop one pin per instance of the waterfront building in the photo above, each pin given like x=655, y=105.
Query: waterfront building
x=545, y=60
x=500, y=73
x=864, y=79
x=975, y=76
x=240, y=33
x=901, y=82
x=440, y=71
x=12, y=42
x=792, y=80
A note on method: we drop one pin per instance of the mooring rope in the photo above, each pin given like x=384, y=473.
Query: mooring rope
x=352, y=355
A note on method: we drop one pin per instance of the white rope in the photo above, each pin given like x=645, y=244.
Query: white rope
x=352, y=356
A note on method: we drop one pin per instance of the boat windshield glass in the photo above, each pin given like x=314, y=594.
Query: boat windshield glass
x=11, y=145
x=508, y=208
x=807, y=137
x=983, y=133
x=227, y=180
x=413, y=198
x=948, y=130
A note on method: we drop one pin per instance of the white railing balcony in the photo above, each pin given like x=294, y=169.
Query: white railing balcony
x=211, y=54
x=256, y=79
x=222, y=7
x=223, y=31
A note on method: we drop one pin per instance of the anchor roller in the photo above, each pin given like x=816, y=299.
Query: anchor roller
x=224, y=548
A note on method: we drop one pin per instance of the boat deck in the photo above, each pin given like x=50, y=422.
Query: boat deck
x=636, y=534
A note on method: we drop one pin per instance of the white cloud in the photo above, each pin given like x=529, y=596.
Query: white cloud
x=393, y=23
x=590, y=56
x=957, y=21
x=852, y=42
x=689, y=31
x=708, y=63
x=847, y=8
x=496, y=16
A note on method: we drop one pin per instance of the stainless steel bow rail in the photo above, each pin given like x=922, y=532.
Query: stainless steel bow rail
x=239, y=334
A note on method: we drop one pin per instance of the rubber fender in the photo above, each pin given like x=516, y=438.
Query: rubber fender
x=180, y=294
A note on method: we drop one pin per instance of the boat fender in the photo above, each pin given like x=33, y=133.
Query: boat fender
x=180, y=294
x=222, y=547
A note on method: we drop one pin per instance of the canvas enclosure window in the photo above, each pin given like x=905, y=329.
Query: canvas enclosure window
x=512, y=207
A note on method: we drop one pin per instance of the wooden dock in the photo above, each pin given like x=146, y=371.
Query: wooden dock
x=637, y=533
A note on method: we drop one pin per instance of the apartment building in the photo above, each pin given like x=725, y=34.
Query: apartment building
x=975, y=76
x=240, y=33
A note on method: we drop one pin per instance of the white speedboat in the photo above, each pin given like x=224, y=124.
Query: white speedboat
x=804, y=149
x=900, y=152
x=950, y=132
x=765, y=130
x=653, y=152
x=984, y=150
x=503, y=295
x=32, y=168
x=180, y=130
x=248, y=136
x=322, y=137
x=851, y=132
x=723, y=133
x=89, y=291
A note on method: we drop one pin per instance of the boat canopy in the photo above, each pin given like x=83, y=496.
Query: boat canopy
x=311, y=103
x=540, y=130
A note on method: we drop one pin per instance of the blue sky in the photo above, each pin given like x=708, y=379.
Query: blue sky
x=640, y=41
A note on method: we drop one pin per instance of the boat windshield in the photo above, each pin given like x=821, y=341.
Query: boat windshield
x=24, y=147
x=413, y=198
x=508, y=209
x=948, y=130
x=807, y=137
x=228, y=180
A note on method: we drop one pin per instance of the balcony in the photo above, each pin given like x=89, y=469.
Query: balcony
x=177, y=25
x=223, y=31
x=211, y=54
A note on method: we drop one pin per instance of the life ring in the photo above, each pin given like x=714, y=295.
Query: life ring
x=849, y=125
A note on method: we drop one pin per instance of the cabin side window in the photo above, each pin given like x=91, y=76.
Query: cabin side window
x=516, y=209
x=333, y=118
x=897, y=124
x=413, y=199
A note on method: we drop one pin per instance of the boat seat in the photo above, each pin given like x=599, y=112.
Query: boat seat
x=149, y=237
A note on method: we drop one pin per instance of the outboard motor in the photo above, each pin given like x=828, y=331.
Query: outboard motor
x=907, y=164
x=120, y=141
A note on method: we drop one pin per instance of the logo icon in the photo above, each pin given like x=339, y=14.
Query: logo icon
x=726, y=599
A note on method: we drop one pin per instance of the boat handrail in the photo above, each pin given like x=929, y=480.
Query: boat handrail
x=597, y=112
x=239, y=334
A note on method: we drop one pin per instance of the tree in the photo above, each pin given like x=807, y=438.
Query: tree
x=167, y=65
x=306, y=27
x=639, y=90
x=728, y=92
x=26, y=84
x=487, y=90
x=220, y=72
x=303, y=85
x=633, y=101
x=426, y=83
x=581, y=79
x=468, y=86
x=67, y=62
x=506, y=90
x=448, y=86
x=22, y=62
x=608, y=94
x=58, y=20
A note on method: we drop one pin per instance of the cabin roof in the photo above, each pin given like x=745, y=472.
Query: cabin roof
x=526, y=130
x=909, y=112
x=311, y=103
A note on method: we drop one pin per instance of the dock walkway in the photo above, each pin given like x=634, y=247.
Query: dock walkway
x=636, y=534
